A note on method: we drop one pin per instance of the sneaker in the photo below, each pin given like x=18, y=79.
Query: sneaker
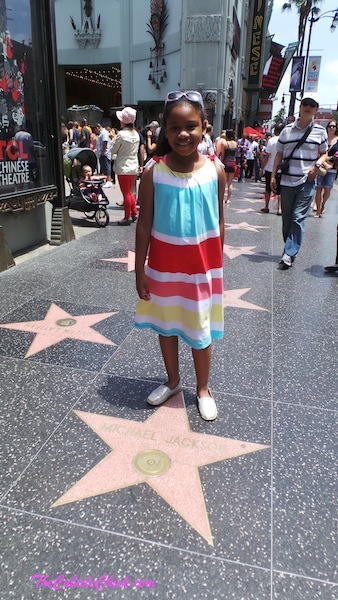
x=265, y=209
x=162, y=393
x=134, y=218
x=108, y=184
x=286, y=261
x=331, y=268
x=119, y=203
x=124, y=222
x=207, y=408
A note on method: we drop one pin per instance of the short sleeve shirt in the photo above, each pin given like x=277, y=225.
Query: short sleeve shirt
x=305, y=156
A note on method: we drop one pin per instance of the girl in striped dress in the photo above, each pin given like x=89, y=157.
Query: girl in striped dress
x=181, y=225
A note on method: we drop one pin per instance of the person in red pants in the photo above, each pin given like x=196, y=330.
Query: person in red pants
x=126, y=165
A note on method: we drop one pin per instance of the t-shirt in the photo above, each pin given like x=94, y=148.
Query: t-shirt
x=85, y=142
x=271, y=150
x=305, y=156
x=103, y=137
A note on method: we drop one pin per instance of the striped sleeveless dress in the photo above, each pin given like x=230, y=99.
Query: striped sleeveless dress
x=185, y=262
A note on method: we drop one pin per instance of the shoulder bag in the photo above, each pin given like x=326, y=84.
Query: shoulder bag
x=284, y=166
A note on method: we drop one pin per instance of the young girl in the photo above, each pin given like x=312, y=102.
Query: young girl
x=88, y=184
x=181, y=222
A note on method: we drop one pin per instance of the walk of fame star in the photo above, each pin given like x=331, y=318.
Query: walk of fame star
x=59, y=325
x=242, y=210
x=234, y=251
x=162, y=452
x=127, y=260
x=232, y=298
x=249, y=200
x=244, y=226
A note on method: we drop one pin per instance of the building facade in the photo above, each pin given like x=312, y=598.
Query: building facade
x=132, y=52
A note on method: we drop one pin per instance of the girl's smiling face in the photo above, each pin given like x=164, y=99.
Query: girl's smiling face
x=184, y=129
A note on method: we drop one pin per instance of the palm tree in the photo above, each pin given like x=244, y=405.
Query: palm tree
x=304, y=8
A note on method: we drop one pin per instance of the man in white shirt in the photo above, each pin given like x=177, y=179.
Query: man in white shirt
x=103, y=153
x=297, y=185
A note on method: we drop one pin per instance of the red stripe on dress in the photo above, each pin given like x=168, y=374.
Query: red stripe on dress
x=170, y=258
x=190, y=291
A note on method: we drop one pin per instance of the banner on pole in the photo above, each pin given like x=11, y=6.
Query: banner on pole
x=296, y=74
x=312, y=76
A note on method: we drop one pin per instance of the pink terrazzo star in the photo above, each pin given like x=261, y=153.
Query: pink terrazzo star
x=242, y=210
x=245, y=226
x=59, y=325
x=162, y=452
x=249, y=200
x=232, y=298
x=234, y=251
x=127, y=260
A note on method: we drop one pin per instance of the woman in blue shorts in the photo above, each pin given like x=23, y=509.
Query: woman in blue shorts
x=324, y=184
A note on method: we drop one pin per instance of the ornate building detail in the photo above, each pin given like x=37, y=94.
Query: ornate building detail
x=26, y=203
x=203, y=28
x=156, y=26
x=89, y=34
x=230, y=32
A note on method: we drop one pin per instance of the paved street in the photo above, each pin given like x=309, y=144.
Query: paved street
x=100, y=491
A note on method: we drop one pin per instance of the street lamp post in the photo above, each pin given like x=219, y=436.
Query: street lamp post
x=313, y=20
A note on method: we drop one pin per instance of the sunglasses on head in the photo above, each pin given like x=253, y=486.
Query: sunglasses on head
x=309, y=102
x=191, y=95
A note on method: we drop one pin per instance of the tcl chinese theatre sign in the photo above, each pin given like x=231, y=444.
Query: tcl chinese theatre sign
x=27, y=148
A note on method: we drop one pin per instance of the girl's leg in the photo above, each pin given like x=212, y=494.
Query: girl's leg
x=318, y=200
x=169, y=349
x=202, y=360
x=230, y=180
x=326, y=194
x=225, y=188
x=205, y=401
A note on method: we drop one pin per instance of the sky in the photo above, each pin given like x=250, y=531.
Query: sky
x=18, y=23
x=284, y=26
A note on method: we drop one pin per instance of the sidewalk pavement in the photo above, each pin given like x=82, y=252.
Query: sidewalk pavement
x=100, y=491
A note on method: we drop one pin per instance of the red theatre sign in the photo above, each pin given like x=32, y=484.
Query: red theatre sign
x=256, y=53
x=272, y=79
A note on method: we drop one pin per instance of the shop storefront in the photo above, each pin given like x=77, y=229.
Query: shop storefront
x=30, y=149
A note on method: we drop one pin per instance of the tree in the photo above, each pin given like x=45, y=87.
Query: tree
x=304, y=7
x=280, y=117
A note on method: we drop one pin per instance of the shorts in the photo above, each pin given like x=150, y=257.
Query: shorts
x=230, y=165
x=326, y=181
x=105, y=165
x=268, y=189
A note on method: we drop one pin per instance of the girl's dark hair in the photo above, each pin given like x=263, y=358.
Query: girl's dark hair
x=163, y=146
x=230, y=134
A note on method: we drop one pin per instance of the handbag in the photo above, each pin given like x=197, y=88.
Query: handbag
x=284, y=165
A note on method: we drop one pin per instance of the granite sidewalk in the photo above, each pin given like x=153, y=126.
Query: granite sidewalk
x=101, y=493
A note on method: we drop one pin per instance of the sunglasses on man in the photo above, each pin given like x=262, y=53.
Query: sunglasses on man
x=309, y=102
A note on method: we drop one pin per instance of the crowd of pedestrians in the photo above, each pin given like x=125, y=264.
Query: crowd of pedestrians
x=256, y=156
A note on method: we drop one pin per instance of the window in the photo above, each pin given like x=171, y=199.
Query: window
x=25, y=146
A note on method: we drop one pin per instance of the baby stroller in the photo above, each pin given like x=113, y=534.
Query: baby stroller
x=78, y=199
